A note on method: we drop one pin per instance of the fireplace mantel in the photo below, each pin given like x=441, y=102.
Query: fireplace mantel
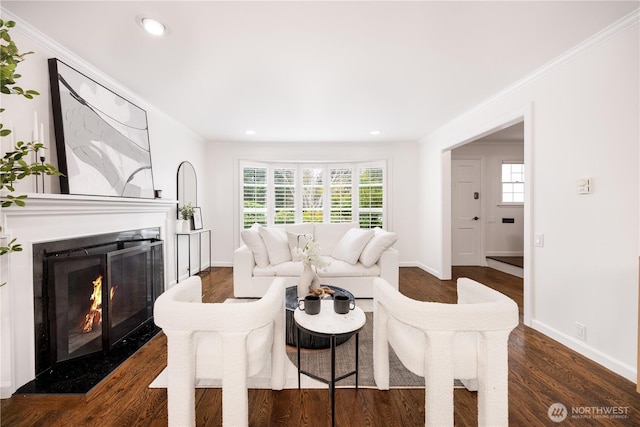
x=50, y=217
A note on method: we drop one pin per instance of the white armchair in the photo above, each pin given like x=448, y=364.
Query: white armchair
x=219, y=341
x=466, y=341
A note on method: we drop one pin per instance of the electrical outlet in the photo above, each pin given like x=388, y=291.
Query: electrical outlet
x=581, y=331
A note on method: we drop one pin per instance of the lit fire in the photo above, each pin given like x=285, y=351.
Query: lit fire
x=94, y=315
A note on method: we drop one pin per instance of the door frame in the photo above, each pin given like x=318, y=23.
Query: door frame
x=522, y=114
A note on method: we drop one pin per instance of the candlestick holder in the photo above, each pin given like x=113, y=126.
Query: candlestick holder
x=42, y=159
x=36, y=161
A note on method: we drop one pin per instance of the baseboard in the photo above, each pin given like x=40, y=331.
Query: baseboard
x=6, y=390
x=424, y=268
x=627, y=371
x=221, y=264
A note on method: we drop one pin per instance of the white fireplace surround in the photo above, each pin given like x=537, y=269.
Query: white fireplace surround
x=51, y=217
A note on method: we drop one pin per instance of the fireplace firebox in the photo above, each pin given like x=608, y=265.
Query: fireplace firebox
x=92, y=294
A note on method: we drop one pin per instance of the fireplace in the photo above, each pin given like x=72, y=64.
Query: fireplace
x=93, y=295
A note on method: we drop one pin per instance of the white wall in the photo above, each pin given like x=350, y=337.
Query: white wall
x=170, y=142
x=499, y=239
x=223, y=190
x=581, y=119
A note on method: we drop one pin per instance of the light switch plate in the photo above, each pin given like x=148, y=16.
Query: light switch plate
x=584, y=186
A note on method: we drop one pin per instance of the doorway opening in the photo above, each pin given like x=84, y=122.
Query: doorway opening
x=487, y=201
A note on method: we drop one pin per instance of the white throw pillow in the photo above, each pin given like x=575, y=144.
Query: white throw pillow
x=380, y=242
x=251, y=238
x=329, y=234
x=350, y=246
x=275, y=239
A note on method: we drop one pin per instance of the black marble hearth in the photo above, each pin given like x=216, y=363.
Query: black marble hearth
x=79, y=376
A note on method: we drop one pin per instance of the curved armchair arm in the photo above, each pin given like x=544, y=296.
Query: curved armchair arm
x=483, y=309
x=181, y=308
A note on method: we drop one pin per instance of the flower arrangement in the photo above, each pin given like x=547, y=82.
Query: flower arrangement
x=186, y=211
x=310, y=253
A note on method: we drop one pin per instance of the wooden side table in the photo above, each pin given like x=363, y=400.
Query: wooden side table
x=329, y=324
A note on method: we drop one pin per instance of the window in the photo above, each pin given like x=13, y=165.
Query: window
x=370, y=191
x=254, y=195
x=312, y=194
x=341, y=192
x=304, y=192
x=512, y=182
x=284, y=185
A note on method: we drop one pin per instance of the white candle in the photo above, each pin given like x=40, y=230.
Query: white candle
x=42, y=136
x=35, y=126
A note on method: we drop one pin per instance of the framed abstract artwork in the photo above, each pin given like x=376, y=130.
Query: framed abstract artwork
x=102, y=140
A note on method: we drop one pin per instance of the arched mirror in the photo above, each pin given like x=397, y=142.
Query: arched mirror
x=187, y=184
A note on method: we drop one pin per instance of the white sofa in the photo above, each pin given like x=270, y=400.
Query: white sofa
x=357, y=256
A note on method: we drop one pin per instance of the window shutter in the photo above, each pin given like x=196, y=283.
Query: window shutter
x=284, y=187
x=341, y=194
x=370, y=188
x=312, y=194
x=254, y=199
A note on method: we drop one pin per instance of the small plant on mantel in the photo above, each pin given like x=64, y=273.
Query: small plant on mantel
x=15, y=165
x=186, y=211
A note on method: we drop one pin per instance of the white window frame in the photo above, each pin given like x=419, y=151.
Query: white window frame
x=299, y=166
x=501, y=201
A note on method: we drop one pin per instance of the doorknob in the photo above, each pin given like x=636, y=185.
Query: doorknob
x=475, y=218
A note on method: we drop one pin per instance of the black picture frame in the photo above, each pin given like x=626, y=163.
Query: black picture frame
x=196, y=221
x=102, y=140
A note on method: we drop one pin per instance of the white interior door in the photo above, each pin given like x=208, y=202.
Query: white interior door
x=466, y=223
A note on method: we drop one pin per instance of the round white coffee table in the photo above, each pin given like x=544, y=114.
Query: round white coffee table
x=329, y=324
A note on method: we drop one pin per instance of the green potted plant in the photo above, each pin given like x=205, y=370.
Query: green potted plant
x=186, y=213
x=15, y=165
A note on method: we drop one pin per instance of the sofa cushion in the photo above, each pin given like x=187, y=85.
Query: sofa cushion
x=336, y=268
x=351, y=244
x=328, y=235
x=251, y=237
x=275, y=239
x=339, y=268
x=380, y=242
x=284, y=269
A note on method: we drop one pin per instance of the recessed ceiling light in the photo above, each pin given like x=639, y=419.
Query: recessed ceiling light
x=375, y=132
x=153, y=26
x=250, y=132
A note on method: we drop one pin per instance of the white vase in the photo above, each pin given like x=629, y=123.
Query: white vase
x=186, y=226
x=307, y=280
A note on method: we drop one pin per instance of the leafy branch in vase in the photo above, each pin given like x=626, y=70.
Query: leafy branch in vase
x=15, y=165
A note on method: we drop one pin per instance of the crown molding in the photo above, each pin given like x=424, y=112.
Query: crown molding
x=70, y=57
x=618, y=27
x=74, y=60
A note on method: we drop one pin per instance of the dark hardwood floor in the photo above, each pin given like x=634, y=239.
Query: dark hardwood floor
x=541, y=372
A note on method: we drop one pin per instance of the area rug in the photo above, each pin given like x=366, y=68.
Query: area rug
x=319, y=362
